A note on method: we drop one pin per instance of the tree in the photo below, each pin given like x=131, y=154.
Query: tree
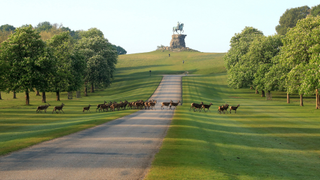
x=238, y=66
x=300, y=54
x=119, y=49
x=100, y=58
x=261, y=52
x=44, y=26
x=70, y=64
x=28, y=59
x=290, y=18
x=7, y=27
x=315, y=11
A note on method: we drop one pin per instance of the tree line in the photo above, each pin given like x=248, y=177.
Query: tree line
x=288, y=62
x=51, y=58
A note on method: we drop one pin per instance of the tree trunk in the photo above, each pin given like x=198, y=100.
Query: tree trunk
x=317, y=99
x=78, y=94
x=263, y=94
x=14, y=95
x=92, y=88
x=301, y=99
x=288, y=98
x=257, y=92
x=37, y=93
x=269, y=95
x=70, y=95
x=85, y=90
x=58, y=95
x=44, y=97
x=27, y=98
x=0, y=95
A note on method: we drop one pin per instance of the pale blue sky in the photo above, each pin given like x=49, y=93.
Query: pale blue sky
x=142, y=25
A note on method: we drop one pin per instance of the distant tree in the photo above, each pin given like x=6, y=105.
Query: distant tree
x=43, y=26
x=100, y=58
x=48, y=34
x=119, y=49
x=290, y=18
x=238, y=66
x=28, y=60
x=70, y=64
x=7, y=27
x=315, y=11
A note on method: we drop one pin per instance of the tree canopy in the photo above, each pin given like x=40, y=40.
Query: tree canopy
x=315, y=11
x=7, y=27
x=28, y=60
x=290, y=18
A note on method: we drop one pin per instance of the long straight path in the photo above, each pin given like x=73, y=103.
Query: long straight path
x=120, y=149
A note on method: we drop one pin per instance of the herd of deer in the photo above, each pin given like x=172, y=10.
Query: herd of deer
x=140, y=104
x=112, y=106
x=222, y=108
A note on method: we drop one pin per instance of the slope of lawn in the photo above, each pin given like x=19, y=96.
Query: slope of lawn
x=21, y=126
x=263, y=140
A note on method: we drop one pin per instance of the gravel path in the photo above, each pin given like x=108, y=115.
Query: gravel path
x=121, y=149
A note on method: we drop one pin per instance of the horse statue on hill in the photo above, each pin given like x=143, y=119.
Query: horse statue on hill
x=178, y=28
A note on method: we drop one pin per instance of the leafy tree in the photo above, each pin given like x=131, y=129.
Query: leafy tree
x=100, y=57
x=119, y=49
x=315, y=11
x=7, y=27
x=290, y=18
x=28, y=59
x=300, y=54
x=261, y=52
x=238, y=66
x=44, y=26
x=70, y=64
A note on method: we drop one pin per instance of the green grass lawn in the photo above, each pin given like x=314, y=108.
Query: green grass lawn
x=263, y=140
x=21, y=126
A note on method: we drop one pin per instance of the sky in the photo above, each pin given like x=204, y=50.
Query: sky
x=141, y=25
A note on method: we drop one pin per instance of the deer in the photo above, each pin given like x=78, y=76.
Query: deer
x=195, y=106
x=153, y=104
x=174, y=104
x=98, y=106
x=165, y=104
x=204, y=106
x=86, y=108
x=222, y=108
x=58, y=108
x=234, y=108
x=42, y=107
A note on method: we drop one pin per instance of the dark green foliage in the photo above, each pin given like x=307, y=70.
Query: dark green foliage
x=239, y=74
x=100, y=57
x=119, y=49
x=290, y=18
x=7, y=27
x=28, y=60
x=43, y=26
x=315, y=11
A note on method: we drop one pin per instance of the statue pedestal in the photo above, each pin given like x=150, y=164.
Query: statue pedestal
x=177, y=41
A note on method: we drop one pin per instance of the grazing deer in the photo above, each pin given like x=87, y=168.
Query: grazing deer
x=59, y=108
x=43, y=107
x=86, y=108
x=234, y=108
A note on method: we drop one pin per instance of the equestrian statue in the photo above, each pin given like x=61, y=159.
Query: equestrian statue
x=178, y=28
